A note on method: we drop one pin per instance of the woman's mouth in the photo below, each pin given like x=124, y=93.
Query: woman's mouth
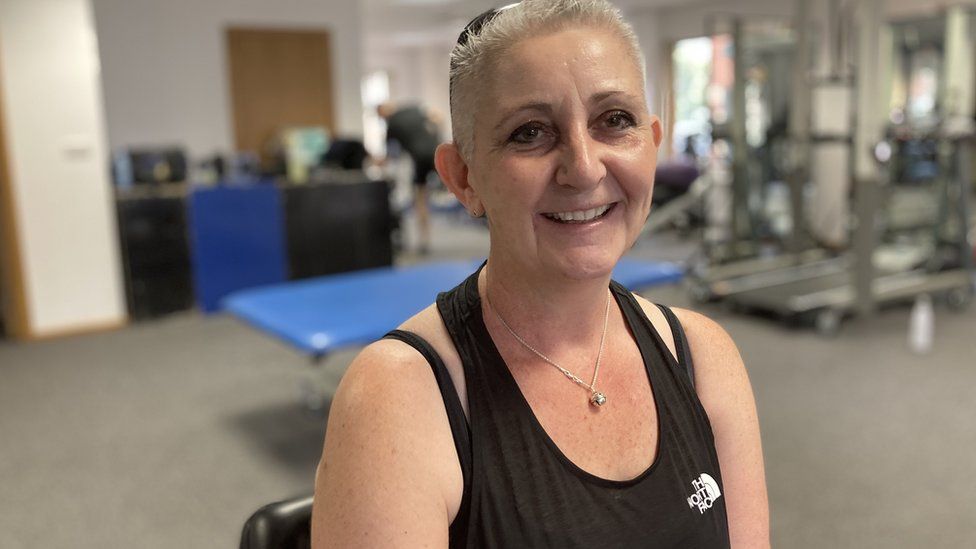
x=581, y=216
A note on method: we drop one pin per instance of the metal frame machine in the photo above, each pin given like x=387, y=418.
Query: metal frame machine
x=885, y=237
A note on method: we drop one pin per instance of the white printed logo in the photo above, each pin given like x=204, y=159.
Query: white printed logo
x=706, y=492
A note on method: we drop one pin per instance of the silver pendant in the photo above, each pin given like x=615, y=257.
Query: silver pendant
x=598, y=398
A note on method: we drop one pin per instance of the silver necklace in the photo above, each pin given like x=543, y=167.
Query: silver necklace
x=597, y=398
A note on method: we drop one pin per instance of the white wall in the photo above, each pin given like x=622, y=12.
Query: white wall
x=58, y=163
x=435, y=75
x=165, y=70
x=654, y=45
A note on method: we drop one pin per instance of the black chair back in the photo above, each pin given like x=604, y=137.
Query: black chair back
x=280, y=525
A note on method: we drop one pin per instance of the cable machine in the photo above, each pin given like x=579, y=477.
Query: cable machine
x=879, y=260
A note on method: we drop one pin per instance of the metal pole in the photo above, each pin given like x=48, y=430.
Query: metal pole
x=964, y=176
x=868, y=132
x=836, y=44
x=799, y=128
x=741, y=226
x=957, y=94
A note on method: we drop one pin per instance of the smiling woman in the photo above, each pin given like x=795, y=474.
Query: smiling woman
x=574, y=135
x=539, y=403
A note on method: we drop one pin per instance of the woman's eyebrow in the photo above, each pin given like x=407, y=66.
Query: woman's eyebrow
x=604, y=95
x=536, y=106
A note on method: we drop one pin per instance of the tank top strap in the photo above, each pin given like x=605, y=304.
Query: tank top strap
x=455, y=417
x=635, y=314
x=457, y=308
x=680, y=342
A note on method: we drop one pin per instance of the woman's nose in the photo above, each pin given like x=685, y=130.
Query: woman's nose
x=581, y=164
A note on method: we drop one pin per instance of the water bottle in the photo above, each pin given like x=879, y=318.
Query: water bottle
x=921, y=327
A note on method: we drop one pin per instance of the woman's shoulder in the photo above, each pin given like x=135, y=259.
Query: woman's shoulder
x=386, y=373
x=708, y=339
x=389, y=449
x=429, y=326
x=404, y=366
x=397, y=359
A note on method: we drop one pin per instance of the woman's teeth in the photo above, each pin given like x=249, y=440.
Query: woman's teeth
x=580, y=216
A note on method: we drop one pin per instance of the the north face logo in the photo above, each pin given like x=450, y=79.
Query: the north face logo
x=706, y=492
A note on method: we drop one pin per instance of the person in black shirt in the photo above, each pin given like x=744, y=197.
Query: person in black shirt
x=415, y=133
x=539, y=403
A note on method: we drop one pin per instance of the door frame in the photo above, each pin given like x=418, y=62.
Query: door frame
x=12, y=281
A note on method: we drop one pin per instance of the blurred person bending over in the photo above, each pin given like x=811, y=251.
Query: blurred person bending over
x=416, y=133
x=539, y=403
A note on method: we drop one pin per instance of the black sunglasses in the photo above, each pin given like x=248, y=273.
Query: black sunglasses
x=474, y=27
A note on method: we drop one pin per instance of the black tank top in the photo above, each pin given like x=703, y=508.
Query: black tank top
x=520, y=490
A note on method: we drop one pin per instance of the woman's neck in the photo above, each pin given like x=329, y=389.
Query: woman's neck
x=547, y=310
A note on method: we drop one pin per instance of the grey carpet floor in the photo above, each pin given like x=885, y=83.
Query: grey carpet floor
x=169, y=433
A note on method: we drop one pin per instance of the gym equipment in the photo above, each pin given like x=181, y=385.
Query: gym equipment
x=886, y=260
x=752, y=192
x=677, y=208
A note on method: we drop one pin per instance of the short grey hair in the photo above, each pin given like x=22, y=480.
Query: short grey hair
x=477, y=51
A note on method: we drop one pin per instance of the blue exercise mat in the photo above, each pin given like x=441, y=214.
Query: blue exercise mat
x=324, y=314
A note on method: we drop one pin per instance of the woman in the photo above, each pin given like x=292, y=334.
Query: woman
x=538, y=404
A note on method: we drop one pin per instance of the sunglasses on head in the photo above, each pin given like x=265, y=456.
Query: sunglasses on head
x=474, y=27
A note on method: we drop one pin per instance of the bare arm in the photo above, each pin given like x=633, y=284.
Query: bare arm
x=389, y=474
x=726, y=394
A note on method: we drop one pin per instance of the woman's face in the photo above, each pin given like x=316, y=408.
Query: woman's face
x=564, y=153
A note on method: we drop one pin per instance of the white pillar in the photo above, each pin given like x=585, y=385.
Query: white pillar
x=656, y=51
x=58, y=163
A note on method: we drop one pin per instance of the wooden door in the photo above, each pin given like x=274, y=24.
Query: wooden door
x=13, y=302
x=278, y=79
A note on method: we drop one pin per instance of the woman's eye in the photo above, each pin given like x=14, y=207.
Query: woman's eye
x=526, y=134
x=619, y=120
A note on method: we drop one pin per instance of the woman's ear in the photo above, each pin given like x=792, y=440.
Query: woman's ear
x=657, y=130
x=454, y=173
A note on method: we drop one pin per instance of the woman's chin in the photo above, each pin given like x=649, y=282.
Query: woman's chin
x=593, y=264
